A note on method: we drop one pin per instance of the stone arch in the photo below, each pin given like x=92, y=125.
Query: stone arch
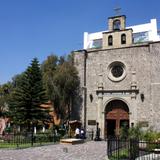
x=115, y=98
x=123, y=38
x=116, y=115
x=110, y=40
x=116, y=24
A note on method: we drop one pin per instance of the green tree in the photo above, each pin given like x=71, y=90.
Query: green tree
x=17, y=80
x=25, y=104
x=5, y=91
x=67, y=83
x=48, y=68
x=62, y=83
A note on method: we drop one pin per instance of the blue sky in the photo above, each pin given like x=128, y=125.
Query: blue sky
x=37, y=28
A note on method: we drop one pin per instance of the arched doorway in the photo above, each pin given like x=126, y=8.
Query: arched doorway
x=116, y=116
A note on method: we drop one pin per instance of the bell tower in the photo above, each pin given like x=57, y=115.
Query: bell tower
x=117, y=23
x=117, y=35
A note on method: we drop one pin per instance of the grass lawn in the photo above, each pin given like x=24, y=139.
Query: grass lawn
x=123, y=153
x=24, y=145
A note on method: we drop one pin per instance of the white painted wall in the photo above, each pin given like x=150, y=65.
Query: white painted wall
x=151, y=28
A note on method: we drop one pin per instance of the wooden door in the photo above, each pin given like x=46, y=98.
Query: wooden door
x=117, y=112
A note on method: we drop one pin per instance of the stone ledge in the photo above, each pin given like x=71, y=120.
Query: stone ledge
x=71, y=141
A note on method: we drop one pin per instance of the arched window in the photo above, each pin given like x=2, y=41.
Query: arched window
x=123, y=39
x=110, y=40
x=116, y=25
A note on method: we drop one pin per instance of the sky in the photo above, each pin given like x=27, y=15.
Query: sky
x=39, y=28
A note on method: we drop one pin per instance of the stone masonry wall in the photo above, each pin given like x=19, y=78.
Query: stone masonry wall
x=155, y=84
x=144, y=61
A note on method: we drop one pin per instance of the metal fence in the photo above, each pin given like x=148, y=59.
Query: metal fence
x=27, y=139
x=132, y=149
x=89, y=135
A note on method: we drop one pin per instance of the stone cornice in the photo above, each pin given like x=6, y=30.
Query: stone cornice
x=118, y=92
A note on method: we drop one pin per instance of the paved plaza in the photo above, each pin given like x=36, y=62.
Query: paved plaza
x=87, y=151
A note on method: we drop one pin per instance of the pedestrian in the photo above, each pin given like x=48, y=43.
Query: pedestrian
x=77, y=132
x=82, y=134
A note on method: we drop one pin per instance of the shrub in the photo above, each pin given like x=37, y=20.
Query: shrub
x=135, y=132
x=124, y=132
x=151, y=136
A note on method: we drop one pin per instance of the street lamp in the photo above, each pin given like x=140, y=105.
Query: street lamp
x=97, y=138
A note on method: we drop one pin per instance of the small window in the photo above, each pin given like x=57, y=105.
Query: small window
x=97, y=43
x=123, y=39
x=110, y=40
x=116, y=25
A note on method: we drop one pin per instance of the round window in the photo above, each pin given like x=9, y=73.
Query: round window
x=116, y=71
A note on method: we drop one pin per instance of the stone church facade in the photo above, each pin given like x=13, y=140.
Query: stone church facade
x=120, y=81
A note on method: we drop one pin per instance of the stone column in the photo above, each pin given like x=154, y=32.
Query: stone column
x=100, y=103
x=100, y=112
x=133, y=97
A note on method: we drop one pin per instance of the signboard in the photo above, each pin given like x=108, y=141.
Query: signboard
x=92, y=122
x=143, y=123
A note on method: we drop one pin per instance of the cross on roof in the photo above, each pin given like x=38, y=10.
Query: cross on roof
x=117, y=10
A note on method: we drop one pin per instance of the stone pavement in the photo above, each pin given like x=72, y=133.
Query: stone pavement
x=87, y=151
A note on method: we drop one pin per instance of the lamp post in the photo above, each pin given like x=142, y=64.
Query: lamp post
x=85, y=104
x=32, y=133
x=97, y=138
